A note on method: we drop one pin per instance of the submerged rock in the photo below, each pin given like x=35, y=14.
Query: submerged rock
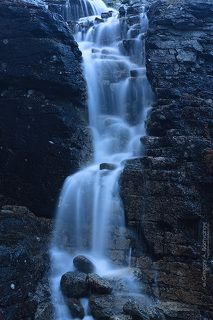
x=98, y=284
x=73, y=284
x=83, y=264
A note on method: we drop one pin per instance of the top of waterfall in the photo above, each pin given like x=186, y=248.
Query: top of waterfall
x=37, y=2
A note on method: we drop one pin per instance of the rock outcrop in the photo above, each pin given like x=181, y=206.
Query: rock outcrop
x=43, y=123
x=24, y=259
x=167, y=193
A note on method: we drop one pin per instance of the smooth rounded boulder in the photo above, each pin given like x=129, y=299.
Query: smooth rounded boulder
x=83, y=264
x=98, y=285
x=73, y=284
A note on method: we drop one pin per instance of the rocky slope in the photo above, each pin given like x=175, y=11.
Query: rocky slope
x=167, y=193
x=43, y=122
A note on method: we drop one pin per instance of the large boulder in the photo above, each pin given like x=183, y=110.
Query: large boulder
x=73, y=284
x=83, y=264
x=98, y=285
x=43, y=124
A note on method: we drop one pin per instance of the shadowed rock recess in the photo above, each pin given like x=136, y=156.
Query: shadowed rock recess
x=43, y=121
x=167, y=194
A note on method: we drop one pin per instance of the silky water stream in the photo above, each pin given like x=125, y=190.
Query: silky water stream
x=90, y=218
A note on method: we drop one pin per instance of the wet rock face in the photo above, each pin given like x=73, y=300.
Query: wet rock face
x=75, y=307
x=181, y=49
x=43, y=123
x=167, y=193
x=24, y=286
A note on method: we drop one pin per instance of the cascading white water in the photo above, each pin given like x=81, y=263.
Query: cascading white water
x=83, y=8
x=90, y=210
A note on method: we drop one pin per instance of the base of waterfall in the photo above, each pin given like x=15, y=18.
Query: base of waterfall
x=101, y=291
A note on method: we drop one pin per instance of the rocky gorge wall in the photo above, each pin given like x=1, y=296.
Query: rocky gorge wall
x=167, y=194
x=43, y=138
x=43, y=122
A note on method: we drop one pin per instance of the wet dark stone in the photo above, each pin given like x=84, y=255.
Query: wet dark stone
x=73, y=284
x=107, y=166
x=132, y=308
x=98, y=20
x=122, y=11
x=83, y=264
x=76, y=308
x=106, y=15
x=106, y=306
x=98, y=284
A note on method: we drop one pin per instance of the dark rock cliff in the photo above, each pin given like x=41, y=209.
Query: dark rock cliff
x=43, y=121
x=43, y=138
x=167, y=194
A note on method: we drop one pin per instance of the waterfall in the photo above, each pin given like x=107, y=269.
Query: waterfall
x=90, y=212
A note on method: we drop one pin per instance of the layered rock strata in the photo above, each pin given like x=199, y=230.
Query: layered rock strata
x=167, y=193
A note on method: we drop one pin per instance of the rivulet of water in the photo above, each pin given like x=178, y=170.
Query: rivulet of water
x=89, y=208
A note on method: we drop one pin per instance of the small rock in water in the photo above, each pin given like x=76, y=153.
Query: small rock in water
x=106, y=15
x=76, y=308
x=83, y=264
x=107, y=166
x=122, y=11
x=134, y=73
x=98, y=20
x=98, y=284
x=73, y=284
